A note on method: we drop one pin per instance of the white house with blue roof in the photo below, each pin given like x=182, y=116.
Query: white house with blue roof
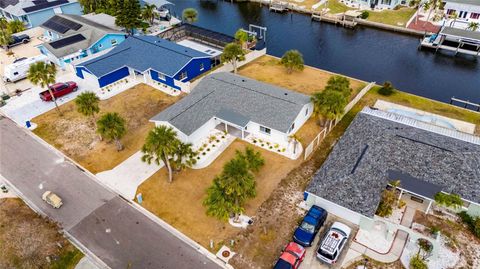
x=150, y=57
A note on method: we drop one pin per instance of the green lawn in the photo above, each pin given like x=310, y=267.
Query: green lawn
x=68, y=260
x=393, y=17
x=336, y=7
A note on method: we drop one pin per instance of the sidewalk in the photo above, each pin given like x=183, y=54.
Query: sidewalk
x=393, y=254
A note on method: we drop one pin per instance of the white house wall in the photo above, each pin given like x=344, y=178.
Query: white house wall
x=202, y=132
x=90, y=79
x=181, y=136
x=335, y=209
x=302, y=117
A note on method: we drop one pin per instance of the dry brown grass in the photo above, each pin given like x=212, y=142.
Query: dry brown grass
x=308, y=81
x=26, y=239
x=74, y=134
x=180, y=203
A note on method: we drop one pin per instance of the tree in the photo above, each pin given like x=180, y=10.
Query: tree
x=190, y=15
x=184, y=156
x=430, y=5
x=128, y=15
x=292, y=60
x=454, y=17
x=388, y=201
x=160, y=145
x=387, y=89
x=340, y=84
x=234, y=185
x=5, y=34
x=416, y=262
x=473, y=26
x=329, y=104
x=232, y=53
x=87, y=104
x=449, y=200
x=16, y=26
x=148, y=13
x=44, y=74
x=112, y=126
x=242, y=37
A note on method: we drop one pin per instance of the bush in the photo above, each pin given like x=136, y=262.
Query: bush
x=387, y=89
x=364, y=14
x=434, y=230
x=473, y=223
x=416, y=262
x=448, y=200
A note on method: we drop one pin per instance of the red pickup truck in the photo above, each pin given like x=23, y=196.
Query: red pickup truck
x=59, y=90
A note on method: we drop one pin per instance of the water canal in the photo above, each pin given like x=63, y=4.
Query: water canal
x=364, y=53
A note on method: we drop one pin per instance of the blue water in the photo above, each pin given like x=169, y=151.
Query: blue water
x=364, y=53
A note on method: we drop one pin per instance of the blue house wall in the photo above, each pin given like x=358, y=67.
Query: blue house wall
x=106, y=42
x=79, y=71
x=37, y=18
x=113, y=76
x=167, y=80
x=193, y=68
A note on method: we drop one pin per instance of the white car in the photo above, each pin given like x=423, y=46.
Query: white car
x=52, y=199
x=333, y=243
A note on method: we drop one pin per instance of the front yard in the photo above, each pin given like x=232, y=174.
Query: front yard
x=28, y=240
x=74, y=135
x=398, y=17
x=180, y=203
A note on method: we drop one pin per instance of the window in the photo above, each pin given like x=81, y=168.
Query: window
x=292, y=127
x=265, y=130
x=201, y=67
x=306, y=112
x=161, y=76
x=183, y=75
x=475, y=15
x=100, y=46
x=114, y=42
x=15, y=73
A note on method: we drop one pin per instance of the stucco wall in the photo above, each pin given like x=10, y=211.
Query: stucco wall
x=474, y=210
x=335, y=209
x=39, y=17
x=106, y=42
x=193, y=69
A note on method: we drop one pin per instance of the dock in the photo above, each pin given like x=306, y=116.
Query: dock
x=465, y=103
x=343, y=19
x=454, y=40
x=278, y=7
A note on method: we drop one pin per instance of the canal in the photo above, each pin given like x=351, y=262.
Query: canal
x=364, y=53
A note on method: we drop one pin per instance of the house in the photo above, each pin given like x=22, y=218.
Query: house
x=381, y=4
x=149, y=57
x=380, y=147
x=34, y=13
x=74, y=37
x=241, y=106
x=466, y=11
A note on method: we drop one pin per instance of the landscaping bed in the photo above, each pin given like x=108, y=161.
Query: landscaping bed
x=75, y=135
x=29, y=241
x=180, y=203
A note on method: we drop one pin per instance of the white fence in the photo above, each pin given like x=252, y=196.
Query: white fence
x=320, y=136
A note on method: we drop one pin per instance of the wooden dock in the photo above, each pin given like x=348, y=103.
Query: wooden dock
x=465, y=103
x=278, y=7
x=341, y=20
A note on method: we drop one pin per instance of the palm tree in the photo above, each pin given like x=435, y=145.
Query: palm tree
x=44, y=74
x=241, y=37
x=5, y=34
x=233, y=53
x=160, y=145
x=16, y=26
x=453, y=16
x=184, y=157
x=190, y=15
x=430, y=5
x=473, y=26
x=112, y=126
x=87, y=104
x=292, y=60
x=329, y=104
x=254, y=159
x=148, y=13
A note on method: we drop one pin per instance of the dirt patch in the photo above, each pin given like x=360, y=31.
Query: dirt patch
x=372, y=264
x=75, y=135
x=460, y=237
x=180, y=203
x=26, y=239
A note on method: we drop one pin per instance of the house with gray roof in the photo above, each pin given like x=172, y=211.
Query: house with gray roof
x=242, y=106
x=466, y=11
x=380, y=147
x=74, y=37
x=34, y=13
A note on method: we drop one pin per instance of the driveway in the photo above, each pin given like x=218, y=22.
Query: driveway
x=115, y=231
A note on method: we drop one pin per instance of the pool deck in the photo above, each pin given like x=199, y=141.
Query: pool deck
x=459, y=125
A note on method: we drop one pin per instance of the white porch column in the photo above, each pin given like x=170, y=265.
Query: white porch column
x=400, y=196
x=242, y=135
x=134, y=75
x=429, y=206
x=226, y=128
x=145, y=78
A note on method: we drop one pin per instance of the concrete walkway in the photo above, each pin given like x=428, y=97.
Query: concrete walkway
x=85, y=263
x=407, y=218
x=127, y=176
x=392, y=255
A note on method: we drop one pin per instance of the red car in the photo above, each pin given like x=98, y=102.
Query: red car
x=59, y=90
x=291, y=258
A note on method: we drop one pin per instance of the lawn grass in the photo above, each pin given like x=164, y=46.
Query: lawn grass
x=26, y=239
x=180, y=203
x=335, y=7
x=398, y=17
x=74, y=134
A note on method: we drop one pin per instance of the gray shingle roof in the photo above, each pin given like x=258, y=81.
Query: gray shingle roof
x=92, y=32
x=265, y=104
x=467, y=2
x=453, y=164
x=142, y=53
x=461, y=33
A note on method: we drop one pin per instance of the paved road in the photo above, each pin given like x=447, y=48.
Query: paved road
x=111, y=228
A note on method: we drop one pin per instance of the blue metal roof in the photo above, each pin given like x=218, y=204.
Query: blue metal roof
x=142, y=53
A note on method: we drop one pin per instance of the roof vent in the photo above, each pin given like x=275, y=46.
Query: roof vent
x=243, y=80
x=286, y=93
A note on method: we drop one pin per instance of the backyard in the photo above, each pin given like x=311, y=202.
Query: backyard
x=32, y=239
x=398, y=17
x=75, y=135
x=180, y=203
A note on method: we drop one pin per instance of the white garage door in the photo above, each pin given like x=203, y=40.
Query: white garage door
x=335, y=209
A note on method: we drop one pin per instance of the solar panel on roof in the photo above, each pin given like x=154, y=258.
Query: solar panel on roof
x=61, y=25
x=44, y=5
x=67, y=41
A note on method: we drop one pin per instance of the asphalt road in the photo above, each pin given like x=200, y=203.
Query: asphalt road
x=111, y=228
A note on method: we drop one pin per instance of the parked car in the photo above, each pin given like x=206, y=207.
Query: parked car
x=59, y=90
x=311, y=223
x=17, y=40
x=333, y=243
x=52, y=199
x=291, y=258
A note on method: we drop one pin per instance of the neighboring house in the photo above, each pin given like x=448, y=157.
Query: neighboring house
x=381, y=4
x=34, y=13
x=467, y=11
x=239, y=105
x=149, y=57
x=380, y=147
x=75, y=37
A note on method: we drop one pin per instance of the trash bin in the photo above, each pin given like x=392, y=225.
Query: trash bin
x=28, y=124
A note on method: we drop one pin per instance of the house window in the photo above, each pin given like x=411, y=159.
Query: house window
x=265, y=130
x=114, y=42
x=201, y=67
x=100, y=46
x=292, y=127
x=183, y=75
x=306, y=112
x=475, y=16
x=161, y=76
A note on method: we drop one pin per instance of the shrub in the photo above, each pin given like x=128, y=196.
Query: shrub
x=204, y=153
x=425, y=245
x=434, y=230
x=364, y=14
x=448, y=200
x=473, y=223
x=217, y=140
x=401, y=204
x=416, y=262
x=387, y=89
x=208, y=149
